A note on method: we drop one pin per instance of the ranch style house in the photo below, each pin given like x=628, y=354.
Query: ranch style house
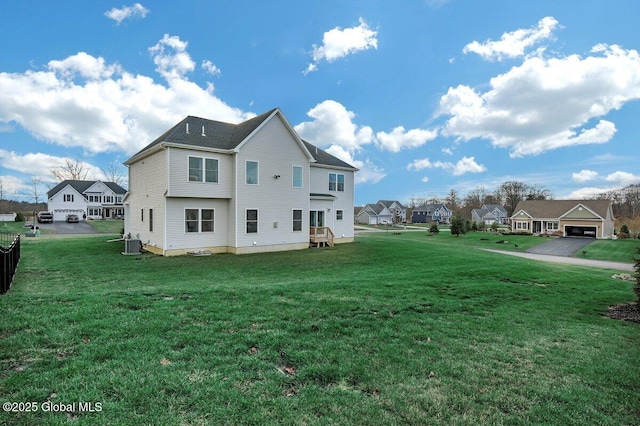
x=256, y=186
x=569, y=218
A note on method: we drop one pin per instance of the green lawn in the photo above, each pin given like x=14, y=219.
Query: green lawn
x=616, y=250
x=107, y=226
x=392, y=329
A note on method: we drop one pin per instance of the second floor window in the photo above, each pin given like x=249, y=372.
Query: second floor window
x=203, y=169
x=297, y=177
x=251, y=175
x=68, y=197
x=336, y=182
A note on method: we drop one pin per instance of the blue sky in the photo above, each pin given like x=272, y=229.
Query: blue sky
x=422, y=96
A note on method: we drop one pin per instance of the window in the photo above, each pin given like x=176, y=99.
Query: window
x=211, y=170
x=297, y=177
x=251, y=175
x=68, y=197
x=191, y=219
x=336, y=182
x=552, y=226
x=195, y=169
x=523, y=226
x=297, y=220
x=199, y=174
x=207, y=220
x=150, y=220
x=141, y=215
x=252, y=221
x=198, y=220
x=339, y=214
x=108, y=199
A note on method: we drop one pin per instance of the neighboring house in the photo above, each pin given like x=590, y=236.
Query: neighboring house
x=250, y=187
x=570, y=218
x=8, y=217
x=374, y=214
x=396, y=208
x=490, y=214
x=428, y=213
x=91, y=199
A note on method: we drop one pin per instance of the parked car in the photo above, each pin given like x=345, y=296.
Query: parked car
x=73, y=218
x=45, y=217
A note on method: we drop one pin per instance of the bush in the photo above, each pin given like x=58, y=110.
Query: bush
x=434, y=229
x=623, y=235
x=19, y=217
x=624, y=229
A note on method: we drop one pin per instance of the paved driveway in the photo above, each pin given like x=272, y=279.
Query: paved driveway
x=62, y=227
x=564, y=246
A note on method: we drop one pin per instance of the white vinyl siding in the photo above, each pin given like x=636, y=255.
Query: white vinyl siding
x=215, y=181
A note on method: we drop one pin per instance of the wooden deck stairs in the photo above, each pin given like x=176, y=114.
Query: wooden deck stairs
x=320, y=236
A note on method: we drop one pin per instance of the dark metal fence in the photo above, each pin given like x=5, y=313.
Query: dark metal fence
x=10, y=257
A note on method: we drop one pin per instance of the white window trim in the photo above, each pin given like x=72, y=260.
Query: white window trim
x=293, y=176
x=204, y=169
x=257, y=173
x=301, y=219
x=199, y=231
x=337, y=180
x=246, y=221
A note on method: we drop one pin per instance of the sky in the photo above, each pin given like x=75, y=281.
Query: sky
x=422, y=96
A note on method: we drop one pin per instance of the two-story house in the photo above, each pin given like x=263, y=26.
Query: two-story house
x=396, y=208
x=432, y=212
x=86, y=198
x=238, y=188
x=374, y=214
x=490, y=214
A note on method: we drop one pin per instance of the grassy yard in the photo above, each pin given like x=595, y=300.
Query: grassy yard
x=392, y=329
x=616, y=250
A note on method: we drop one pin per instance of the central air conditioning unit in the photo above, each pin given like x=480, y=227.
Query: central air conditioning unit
x=132, y=246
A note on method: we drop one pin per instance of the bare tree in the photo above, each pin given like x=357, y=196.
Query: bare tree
x=511, y=193
x=476, y=198
x=116, y=173
x=71, y=170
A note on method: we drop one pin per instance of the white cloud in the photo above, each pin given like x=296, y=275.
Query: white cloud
x=463, y=166
x=515, y=43
x=399, y=138
x=425, y=179
x=127, y=12
x=39, y=165
x=82, y=101
x=13, y=186
x=623, y=178
x=586, y=193
x=333, y=123
x=584, y=176
x=210, y=67
x=338, y=43
x=546, y=104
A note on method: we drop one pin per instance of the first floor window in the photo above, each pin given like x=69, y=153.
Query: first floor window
x=297, y=220
x=552, y=226
x=198, y=220
x=191, y=219
x=339, y=214
x=252, y=221
x=207, y=220
x=150, y=220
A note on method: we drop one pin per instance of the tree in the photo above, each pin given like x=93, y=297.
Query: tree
x=512, y=192
x=35, y=194
x=538, y=192
x=476, y=198
x=434, y=228
x=71, y=170
x=458, y=224
x=453, y=200
x=115, y=173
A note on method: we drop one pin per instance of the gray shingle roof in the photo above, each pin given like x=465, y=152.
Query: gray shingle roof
x=204, y=133
x=555, y=208
x=82, y=185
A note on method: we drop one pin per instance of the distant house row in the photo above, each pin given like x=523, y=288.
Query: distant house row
x=392, y=211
